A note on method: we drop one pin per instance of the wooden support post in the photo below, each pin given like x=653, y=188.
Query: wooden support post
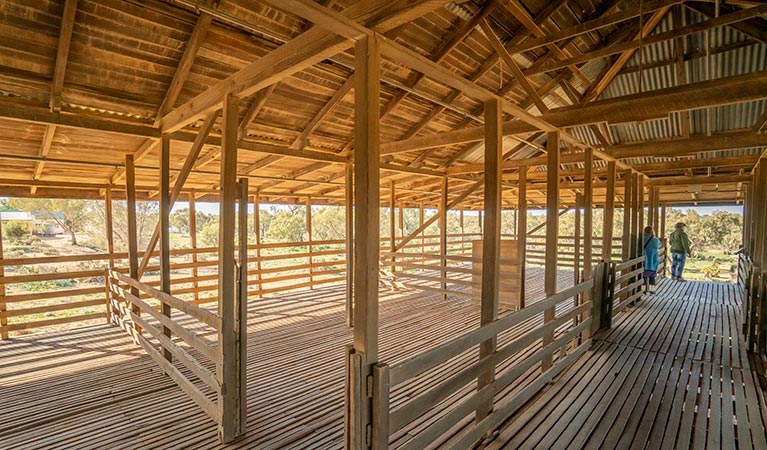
x=628, y=197
x=392, y=230
x=401, y=210
x=420, y=224
x=241, y=306
x=588, y=215
x=165, y=233
x=609, y=214
x=443, y=207
x=130, y=190
x=577, y=242
x=108, y=223
x=228, y=368
x=491, y=241
x=552, y=231
x=193, y=240
x=257, y=232
x=640, y=223
x=309, y=235
x=367, y=238
x=349, y=191
x=662, y=235
x=522, y=230
x=3, y=308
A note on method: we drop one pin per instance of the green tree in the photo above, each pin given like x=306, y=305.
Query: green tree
x=15, y=229
x=70, y=214
x=287, y=226
x=329, y=223
x=147, y=215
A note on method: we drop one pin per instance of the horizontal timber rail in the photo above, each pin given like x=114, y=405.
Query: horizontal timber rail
x=153, y=330
x=571, y=325
x=52, y=291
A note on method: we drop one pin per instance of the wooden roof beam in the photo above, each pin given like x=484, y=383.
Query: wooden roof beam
x=609, y=75
x=591, y=25
x=755, y=28
x=725, y=19
x=695, y=144
x=45, y=147
x=306, y=50
x=512, y=65
x=185, y=63
x=62, y=53
x=636, y=107
x=519, y=11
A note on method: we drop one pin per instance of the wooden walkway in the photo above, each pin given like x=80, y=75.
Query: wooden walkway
x=672, y=373
x=91, y=388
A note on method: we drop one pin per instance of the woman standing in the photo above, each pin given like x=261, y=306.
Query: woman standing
x=651, y=245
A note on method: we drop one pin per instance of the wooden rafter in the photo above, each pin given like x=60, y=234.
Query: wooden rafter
x=45, y=147
x=609, y=75
x=529, y=22
x=62, y=53
x=722, y=20
x=306, y=50
x=636, y=107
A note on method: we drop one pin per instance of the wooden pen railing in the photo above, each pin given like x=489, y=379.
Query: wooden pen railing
x=569, y=323
x=134, y=306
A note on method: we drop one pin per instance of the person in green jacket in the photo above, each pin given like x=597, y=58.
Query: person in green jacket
x=679, y=245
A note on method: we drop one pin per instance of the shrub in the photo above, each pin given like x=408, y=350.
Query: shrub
x=15, y=229
x=711, y=271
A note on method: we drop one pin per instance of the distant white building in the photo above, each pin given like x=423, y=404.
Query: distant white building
x=45, y=227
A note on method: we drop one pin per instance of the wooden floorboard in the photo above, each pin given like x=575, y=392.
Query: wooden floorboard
x=92, y=388
x=672, y=373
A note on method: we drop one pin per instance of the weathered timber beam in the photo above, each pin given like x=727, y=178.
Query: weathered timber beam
x=725, y=19
x=699, y=163
x=717, y=179
x=630, y=108
x=13, y=111
x=62, y=53
x=695, y=144
x=185, y=64
x=755, y=28
x=306, y=50
x=590, y=25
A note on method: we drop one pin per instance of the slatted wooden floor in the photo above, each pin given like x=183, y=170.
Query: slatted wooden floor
x=672, y=373
x=92, y=388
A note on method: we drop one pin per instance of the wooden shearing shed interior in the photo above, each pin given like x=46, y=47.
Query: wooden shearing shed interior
x=497, y=336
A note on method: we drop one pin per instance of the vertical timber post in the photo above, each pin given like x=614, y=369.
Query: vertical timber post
x=130, y=188
x=364, y=353
x=491, y=241
x=108, y=222
x=627, y=206
x=577, y=257
x=228, y=367
x=392, y=231
x=552, y=231
x=257, y=232
x=588, y=216
x=349, y=193
x=165, y=233
x=443, y=234
x=608, y=215
x=241, y=306
x=3, y=317
x=193, y=241
x=309, y=236
x=522, y=231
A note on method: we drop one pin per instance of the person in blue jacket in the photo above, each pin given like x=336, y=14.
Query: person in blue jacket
x=651, y=246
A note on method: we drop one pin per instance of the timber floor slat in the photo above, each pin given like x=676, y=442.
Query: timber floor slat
x=672, y=373
x=92, y=388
